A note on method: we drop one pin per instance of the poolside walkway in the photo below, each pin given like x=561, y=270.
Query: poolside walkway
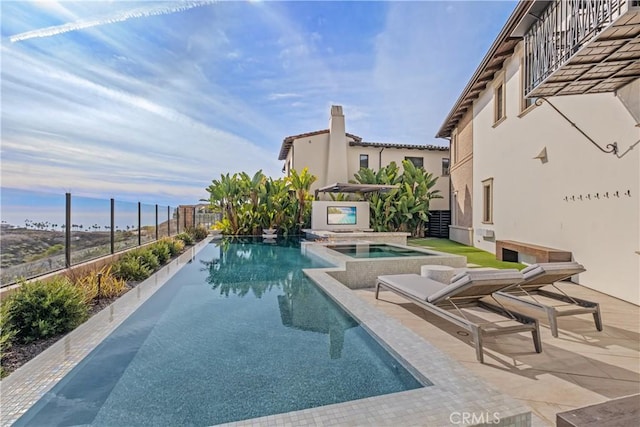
x=581, y=367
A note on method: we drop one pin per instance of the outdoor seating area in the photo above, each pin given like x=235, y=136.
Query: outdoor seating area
x=467, y=289
x=579, y=366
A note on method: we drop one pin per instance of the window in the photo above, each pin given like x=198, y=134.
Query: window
x=487, y=201
x=454, y=147
x=417, y=161
x=364, y=160
x=499, y=100
x=525, y=103
x=445, y=166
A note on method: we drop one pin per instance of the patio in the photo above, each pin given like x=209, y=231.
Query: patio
x=582, y=367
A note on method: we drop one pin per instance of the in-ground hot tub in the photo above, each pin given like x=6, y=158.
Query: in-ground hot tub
x=351, y=235
x=376, y=250
x=359, y=263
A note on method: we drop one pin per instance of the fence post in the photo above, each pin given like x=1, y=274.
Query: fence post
x=139, y=224
x=168, y=220
x=157, y=234
x=67, y=231
x=178, y=220
x=113, y=223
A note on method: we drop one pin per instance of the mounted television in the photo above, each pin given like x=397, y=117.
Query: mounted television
x=341, y=215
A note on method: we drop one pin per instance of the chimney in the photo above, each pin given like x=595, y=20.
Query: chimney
x=337, y=156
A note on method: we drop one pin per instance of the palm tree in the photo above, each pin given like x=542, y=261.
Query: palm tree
x=405, y=208
x=301, y=185
x=251, y=188
x=223, y=197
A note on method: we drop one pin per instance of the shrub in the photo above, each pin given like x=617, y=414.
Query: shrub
x=186, y=238
x=198, y=232
x=145, y=256
x=43, y=309
x=175, y=245
x=6, y=331
x=130, y=269
x=161, y=250
x=110, y=285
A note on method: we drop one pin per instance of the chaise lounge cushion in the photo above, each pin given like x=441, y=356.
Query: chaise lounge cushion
x=477, y=284
x=542, y=274
x=471, y=284
x=419, y=286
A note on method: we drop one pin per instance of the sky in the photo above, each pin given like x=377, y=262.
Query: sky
x=149, y=101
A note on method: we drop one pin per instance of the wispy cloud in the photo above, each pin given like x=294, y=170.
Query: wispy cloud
x=276, y=96
x=141, y=12
x=163, y=102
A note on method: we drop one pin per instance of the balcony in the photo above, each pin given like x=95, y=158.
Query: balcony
x=580, y=46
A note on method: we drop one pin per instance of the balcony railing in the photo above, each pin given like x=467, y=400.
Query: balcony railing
x=563, y=28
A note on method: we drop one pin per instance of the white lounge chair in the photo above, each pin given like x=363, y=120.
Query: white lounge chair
x=466, y=290
x=529, y=293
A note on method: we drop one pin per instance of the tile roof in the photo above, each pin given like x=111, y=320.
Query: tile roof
x=405, y=146
x=288, y=141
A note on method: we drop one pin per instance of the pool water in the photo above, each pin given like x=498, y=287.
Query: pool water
x=379, y=250
x=238, y=333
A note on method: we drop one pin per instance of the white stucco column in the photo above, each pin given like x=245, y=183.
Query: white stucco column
x=337, y=159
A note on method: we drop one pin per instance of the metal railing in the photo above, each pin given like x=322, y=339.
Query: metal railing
x=562, y=29
x=42, y=233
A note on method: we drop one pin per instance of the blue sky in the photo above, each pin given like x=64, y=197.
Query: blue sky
x=151, y=100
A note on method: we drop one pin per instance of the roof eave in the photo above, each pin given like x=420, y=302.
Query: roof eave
x=288, y=141
x=505, y=34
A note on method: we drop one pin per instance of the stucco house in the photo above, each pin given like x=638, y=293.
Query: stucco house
x=334, y=156
x=545, y=141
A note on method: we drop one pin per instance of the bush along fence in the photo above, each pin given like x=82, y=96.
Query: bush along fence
x=41, y=311
x=60, y=232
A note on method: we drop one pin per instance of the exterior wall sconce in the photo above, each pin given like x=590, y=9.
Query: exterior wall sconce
x=543, y=156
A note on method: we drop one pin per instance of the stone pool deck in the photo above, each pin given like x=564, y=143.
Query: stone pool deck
x=581, y=367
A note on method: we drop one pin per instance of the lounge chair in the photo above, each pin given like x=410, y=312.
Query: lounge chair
x=466, y=290
x=529, y=293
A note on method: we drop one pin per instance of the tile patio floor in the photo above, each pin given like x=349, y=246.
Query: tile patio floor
x=581, y=367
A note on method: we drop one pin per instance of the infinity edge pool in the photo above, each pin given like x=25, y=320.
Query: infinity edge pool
x=454, y=388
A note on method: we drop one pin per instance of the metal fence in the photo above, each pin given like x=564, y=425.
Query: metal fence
x=41, y=232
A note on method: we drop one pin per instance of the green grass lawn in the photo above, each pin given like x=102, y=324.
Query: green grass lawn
x=474, y=255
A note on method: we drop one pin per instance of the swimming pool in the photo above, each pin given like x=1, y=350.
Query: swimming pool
x=237, y=333
x=377, y=250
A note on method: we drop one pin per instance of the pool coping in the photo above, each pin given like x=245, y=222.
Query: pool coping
x=27, y=384
x=356, y=273
x=455, y=393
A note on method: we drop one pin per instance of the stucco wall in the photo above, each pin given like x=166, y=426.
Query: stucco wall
x=629, y=95
x=580, y=199
x=462, y=175
x=353, y=159
x=311, y=152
